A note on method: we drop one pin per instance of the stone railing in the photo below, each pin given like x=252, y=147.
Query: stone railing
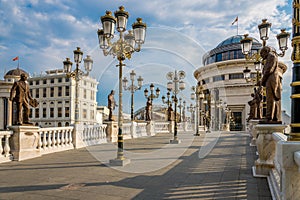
x=54, y=139
x=141, y=129
x=161, y=127
x=5, y=155
x=94, y=134
x=278, y=161
x=126, y=131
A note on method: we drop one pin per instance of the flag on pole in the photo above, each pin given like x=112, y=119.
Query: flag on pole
x=236, y=20
x=15, y=58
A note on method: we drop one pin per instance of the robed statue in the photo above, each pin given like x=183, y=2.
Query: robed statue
x=111, y=105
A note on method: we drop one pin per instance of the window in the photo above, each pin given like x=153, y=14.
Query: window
x=205, y=81
x=219, y=57
x=59, y=91
x=30, y=113
x=45, y=81
x=236, y=76
x=30, y=82
x=59, y=112
x=37, y=82
x=52, y=80
x=92, y=115
x=37, y=113
x=84, y=93
x=37, y=93
x=30, y=92
x=67, y=91
x=67, y=112
x=60, y=80
x=218, y=78
x=52, y=92
x=51, y=112
x=44, y=92
x=44, y=112
x=84, y=113
x=67, y=80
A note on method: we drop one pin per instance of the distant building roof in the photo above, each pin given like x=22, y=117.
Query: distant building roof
x=228, y=49
x=15, y=73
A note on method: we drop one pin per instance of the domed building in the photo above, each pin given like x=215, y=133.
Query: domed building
x=226, y=92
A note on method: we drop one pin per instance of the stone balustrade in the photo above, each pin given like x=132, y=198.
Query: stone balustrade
x=5, y=155
x=279, y=161
x=161, y=127
x=54, y=139
x=26, y=142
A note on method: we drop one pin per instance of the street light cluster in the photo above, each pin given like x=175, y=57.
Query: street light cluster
x=77, y=74
x=122, y=48
x=246, y=45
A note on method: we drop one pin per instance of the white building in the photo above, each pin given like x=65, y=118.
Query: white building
x=222, y=78
x=56, y=93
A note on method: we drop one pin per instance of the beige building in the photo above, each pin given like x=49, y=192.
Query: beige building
x=55, y=93
x=222, y=78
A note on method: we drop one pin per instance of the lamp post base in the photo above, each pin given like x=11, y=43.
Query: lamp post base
x=119, y=162
x=175, y=141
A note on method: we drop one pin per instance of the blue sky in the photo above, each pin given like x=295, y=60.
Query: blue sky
x=44, y=33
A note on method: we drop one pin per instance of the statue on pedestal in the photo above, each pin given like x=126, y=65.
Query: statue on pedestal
x=271, y=79
x=148, y=109
x=111, y=104
x=21, y=95
x=252, y=104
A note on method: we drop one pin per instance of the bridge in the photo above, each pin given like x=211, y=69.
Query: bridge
x=73, y=163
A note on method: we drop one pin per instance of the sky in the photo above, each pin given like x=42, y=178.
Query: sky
x=44, y=32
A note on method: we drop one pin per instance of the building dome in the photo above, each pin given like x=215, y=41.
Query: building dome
x=14, y=74
x=229, y=49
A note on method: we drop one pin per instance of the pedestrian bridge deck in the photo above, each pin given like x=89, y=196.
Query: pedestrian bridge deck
x=215, y=165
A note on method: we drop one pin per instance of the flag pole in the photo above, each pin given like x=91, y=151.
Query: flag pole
x=237, y=27
x=18, y=62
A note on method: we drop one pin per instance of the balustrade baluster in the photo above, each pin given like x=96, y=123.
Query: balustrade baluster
x=6, y=146
x=62, y=135
x=1, y=148
x=46, y=139
x=58, y=138
x=53, y=138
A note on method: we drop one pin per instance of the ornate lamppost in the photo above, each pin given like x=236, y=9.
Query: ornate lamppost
x=122, y=48
x=175, y=85
x=132, y=88
x=191, y=109
x=152, y=95
x=180, y=109
x=183, y=111
x=77, y=74
x=168, y=102
x=198, y=92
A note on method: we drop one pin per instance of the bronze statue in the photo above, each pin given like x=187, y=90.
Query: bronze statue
x=21, y=95
x=258, y=92
x=170, y=111
x=271, y=79
x=252, y=104
x=148, y=109
x=111, y=104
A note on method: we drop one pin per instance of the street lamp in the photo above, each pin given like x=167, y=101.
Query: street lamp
x=180, y=106
x=77, y=74
x=152, y=95
x=122, y=48
x=198, y=92
x=132, y=88
x=246, y=45
x=175, y=85
x=191, y=109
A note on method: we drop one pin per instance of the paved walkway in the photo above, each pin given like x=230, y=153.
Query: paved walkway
x=214, y=166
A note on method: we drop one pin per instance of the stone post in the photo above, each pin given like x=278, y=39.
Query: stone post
x=266, y=148
x=133, y=129
x=150, y=128
x=77, y=136
x=253, y=131
x=112, y=131
x=24, y=142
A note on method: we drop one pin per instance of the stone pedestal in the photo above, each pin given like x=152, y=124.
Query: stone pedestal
x=133, y=129
x=119, y=162
x=171, y=127
x=253, y=131
x=175, y=141
x=77, y=136
x=225, y=127
x=266, y=148
x=24, y=142
x=112, y=131
x=150, y=128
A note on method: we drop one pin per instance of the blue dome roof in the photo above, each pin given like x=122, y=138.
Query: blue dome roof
x=228, y=49
x=234, y=40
